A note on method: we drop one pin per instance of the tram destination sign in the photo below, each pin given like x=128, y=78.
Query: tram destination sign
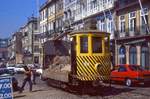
x=6, y=91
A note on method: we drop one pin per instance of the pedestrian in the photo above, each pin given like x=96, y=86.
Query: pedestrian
x=27, y=78
x=34, y=76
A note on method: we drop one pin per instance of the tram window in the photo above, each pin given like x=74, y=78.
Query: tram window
x=97, y=44
x=106, y=44
x=84, y=44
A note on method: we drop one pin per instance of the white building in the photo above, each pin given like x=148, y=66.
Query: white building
x=77, y=11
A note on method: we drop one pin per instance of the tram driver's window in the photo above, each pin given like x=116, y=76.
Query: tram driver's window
x=84, y=44
x=97, y=44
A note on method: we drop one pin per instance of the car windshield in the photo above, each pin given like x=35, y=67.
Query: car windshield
x=135, y=68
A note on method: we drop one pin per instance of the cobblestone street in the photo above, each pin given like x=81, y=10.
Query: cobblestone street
x=42, y=91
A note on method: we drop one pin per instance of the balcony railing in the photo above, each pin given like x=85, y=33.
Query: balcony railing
x=142, y=30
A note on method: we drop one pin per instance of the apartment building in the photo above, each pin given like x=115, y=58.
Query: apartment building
x=78, y=11
x=51, y=18
x=133, y=36
x=15, y=49
x=3, y=49
x=31, y=45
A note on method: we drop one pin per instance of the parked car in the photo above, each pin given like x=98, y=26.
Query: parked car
x=4, y=72
x=130, y=74
x=19, y=68
x=11, y=67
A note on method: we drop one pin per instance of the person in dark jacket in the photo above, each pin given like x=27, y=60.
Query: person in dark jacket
x=34, y=76
x=27, y=78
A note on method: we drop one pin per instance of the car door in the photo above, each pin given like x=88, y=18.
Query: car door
x=122, y=73
x=119, y=74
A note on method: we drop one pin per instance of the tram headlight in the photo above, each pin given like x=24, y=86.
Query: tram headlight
x=98, y=67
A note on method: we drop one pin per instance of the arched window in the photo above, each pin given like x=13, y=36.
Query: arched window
x=122, y=55
x=144, y=57
x=133, y=55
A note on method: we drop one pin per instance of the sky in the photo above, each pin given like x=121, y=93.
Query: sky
x=14, y=14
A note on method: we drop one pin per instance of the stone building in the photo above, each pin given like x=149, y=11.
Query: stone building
x=51, y=18
x=133, y=36
x=15, y=49
x=31, y=45
x=3, y=49
x=78, y=11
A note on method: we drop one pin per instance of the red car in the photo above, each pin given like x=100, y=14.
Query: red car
x=130, y=74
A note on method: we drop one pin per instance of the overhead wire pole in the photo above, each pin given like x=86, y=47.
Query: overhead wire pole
x=146, y=23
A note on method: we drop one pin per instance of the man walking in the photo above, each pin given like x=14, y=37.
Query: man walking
x=27, y=78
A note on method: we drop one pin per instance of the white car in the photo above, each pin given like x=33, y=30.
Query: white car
x=19, y=68
x=11, y=67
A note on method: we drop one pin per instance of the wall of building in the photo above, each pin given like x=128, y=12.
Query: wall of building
x=137, y=39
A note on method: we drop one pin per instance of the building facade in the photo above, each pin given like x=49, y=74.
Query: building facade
x=51, y=18
x=11, y=49
x=133, y=36
x=15, y=49
x=78, y=11
x=31, y=45
x=3, y=50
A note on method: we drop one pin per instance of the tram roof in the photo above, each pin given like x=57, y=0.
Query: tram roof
x=97, y=32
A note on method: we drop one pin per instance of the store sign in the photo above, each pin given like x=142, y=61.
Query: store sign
x=6, y=91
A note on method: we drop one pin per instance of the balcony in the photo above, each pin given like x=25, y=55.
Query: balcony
x=141, y=30
x=122, y=4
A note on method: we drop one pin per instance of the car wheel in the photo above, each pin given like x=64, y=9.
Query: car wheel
x=128, y=82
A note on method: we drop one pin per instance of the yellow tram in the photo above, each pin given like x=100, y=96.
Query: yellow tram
x=92, y=55
x=89, y=58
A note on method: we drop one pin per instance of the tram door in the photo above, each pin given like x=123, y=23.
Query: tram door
x=73, y=56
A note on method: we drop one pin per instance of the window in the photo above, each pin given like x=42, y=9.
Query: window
x=36, y=59
x=84, y=44
x=122, y=24
x=97, y=44
x=36, y=26
x=110, y=25
x=102, y=24
x=132, y=22
x=143, y=25
x=145, y=57
x=122, y=69
x=36, y=49
x=133, y=55
x=94, y=4
x=122, y=55
x=36, y=38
